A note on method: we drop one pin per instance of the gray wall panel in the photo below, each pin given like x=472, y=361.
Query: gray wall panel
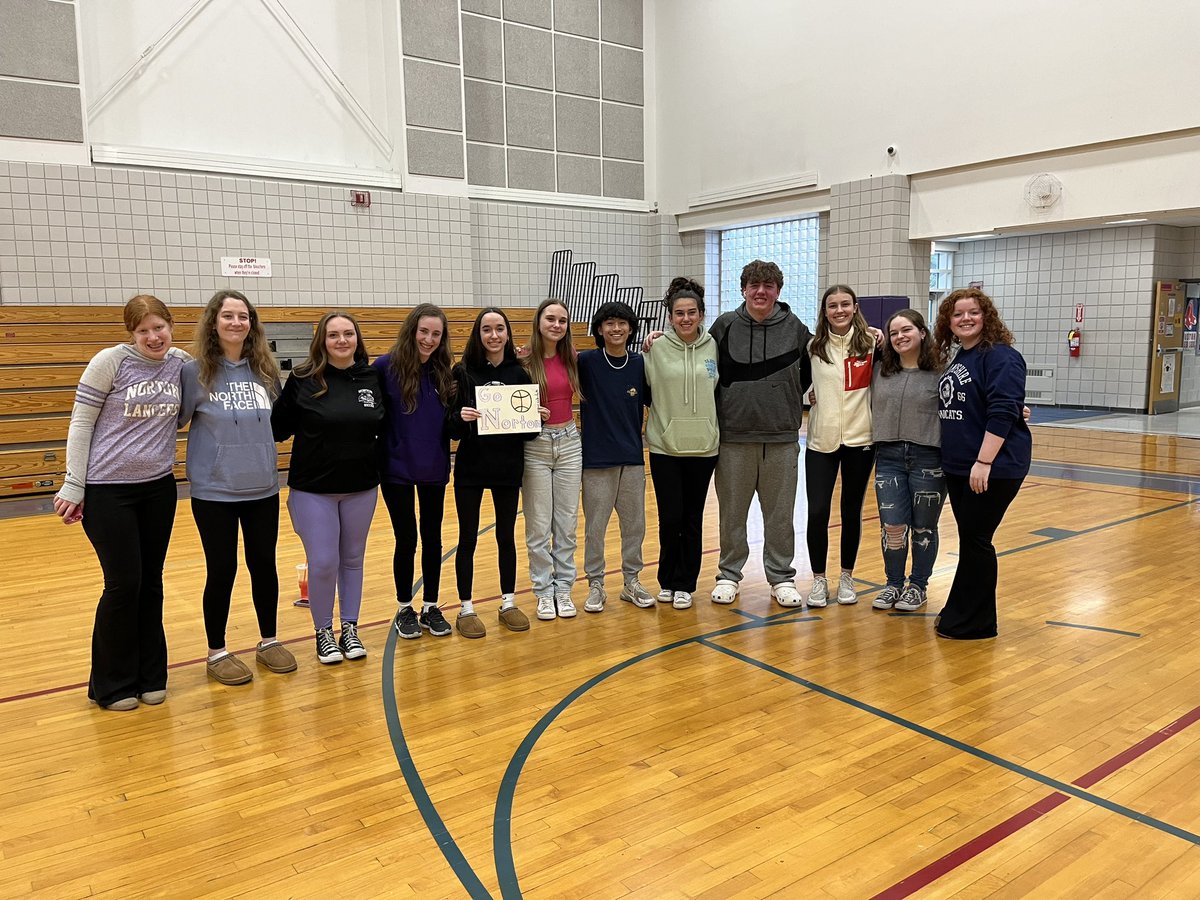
x=485, y=165
x=577, y=17
x=37, y=40
x=485, y=112
x=621, y=22
x=530, y=171
x=434, y=153
x=40, y=111
x=430, y=29
x=623, y=132
x=486, y=7
x=531, y=12
x=622, y=179
x=578, y=125
x=431, y=95
x=578, y=175
x=528, y=57
x=621, y=74
x=529, y=118
x=483, y=49
x=576, y=66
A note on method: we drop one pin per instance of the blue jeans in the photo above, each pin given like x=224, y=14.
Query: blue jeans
x=553, y=474
x=910, y=489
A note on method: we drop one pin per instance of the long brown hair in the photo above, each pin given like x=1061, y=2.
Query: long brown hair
x=404, y=359
x=926, y=358
x=318, y=356
x=535, y=362
x=206, y=346
x=861, y=342
x=994, y=330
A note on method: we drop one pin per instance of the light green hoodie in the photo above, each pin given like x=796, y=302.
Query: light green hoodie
x=683, y=404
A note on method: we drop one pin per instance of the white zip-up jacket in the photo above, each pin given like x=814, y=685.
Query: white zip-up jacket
x=841, y=417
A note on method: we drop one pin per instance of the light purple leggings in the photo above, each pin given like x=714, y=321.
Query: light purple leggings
x=333, y=529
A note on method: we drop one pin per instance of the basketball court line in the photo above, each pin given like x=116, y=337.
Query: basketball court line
x=506, y=867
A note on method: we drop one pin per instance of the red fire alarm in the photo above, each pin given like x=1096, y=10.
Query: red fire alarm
x=360, y=198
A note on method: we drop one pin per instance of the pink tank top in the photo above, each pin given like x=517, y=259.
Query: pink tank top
x=558, y=391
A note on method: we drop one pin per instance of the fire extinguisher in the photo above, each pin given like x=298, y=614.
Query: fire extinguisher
x=1074, y=338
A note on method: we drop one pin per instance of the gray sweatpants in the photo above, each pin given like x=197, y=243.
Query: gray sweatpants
x=770, y=471
x=622, y=488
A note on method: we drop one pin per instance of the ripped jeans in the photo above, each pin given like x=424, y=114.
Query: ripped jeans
x=910, y=489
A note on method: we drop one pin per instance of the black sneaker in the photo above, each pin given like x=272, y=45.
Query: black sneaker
x=405, y=623
x=350, y=645
x=434, y=622
x=327, y=648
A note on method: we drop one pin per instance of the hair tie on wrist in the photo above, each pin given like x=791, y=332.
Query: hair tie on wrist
x=981, y=462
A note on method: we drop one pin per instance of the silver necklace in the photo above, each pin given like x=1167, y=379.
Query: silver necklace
x=609, y=361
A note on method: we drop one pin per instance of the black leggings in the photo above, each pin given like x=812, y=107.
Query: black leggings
x=130, y=527
x=217, y=521
x=468, y=500
x=680, y=489
x=401, y=501
x=820, y=474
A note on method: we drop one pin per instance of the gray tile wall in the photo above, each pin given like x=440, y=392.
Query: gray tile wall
x=98, y=235
x=72, y=234
x=868, y=245
x=37, y=45
x=1036, y=282
x=555, y=61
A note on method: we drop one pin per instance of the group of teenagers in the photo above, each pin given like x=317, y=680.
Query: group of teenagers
x=933, y=412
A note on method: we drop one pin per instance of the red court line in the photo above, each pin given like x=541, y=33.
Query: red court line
x=994, y=835
x=62, y=688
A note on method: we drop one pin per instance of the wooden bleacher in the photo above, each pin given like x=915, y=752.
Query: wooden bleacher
x=43, y=351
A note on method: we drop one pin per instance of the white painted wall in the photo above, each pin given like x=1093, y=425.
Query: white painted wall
x=762, y=89
x=246, y=80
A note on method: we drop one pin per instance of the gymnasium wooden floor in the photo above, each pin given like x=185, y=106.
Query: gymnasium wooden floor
x=716, y=752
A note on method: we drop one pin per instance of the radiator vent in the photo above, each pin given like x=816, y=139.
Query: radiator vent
x=1039, y=386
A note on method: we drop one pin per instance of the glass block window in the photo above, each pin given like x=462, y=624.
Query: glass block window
x=792, y=244
x=941, y=271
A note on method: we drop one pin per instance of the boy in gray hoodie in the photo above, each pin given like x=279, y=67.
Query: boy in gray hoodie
x=763, y=367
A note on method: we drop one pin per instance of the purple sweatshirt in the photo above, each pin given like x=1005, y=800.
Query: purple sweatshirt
x=415, y=447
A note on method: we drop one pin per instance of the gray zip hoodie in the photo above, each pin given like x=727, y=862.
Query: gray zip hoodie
x=231, y=453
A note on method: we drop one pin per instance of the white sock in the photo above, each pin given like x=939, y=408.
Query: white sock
x=427, y=606
x=507, y=601
x=468, y=608
x=215, y=656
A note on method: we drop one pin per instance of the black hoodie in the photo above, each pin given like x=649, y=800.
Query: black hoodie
x=335, y=447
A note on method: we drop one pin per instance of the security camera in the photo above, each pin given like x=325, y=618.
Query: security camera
x=891, y=150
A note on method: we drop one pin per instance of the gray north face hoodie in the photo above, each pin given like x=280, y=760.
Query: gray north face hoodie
x=762, y=368
x=231, y=453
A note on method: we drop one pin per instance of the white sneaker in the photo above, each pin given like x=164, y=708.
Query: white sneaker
x=846, y=594
x=725, y=592
x=545, y=610
x=665, y=596
x=637, y=595
x=566, y=606
x=682, y=600
x=786, y=595
x=595, y=598
x=818, y=594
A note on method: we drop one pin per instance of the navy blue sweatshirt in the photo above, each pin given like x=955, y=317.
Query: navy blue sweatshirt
x=335, y=450
x=611, y=409
x=984, y=390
